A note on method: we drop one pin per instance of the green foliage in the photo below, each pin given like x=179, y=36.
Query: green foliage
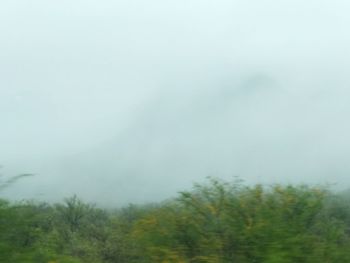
x=214, y=222
x=222, y=222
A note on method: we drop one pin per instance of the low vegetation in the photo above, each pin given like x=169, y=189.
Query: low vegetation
x=214, y=222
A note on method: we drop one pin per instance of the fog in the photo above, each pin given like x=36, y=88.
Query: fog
x=132, y=101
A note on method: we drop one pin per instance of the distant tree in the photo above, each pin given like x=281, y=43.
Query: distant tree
x=10, y=181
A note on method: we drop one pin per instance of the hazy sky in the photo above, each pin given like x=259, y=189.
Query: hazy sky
x=130, y=101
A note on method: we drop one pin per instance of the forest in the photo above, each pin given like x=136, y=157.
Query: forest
x=216, y=221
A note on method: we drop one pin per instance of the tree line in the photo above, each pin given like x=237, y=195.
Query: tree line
x=214, y=222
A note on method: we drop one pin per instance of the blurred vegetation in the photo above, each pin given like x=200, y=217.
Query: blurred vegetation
x=214, y=222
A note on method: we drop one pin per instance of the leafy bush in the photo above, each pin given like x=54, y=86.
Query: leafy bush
x=213, y=222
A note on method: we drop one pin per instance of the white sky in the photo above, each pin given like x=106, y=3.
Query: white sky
x=76, y=76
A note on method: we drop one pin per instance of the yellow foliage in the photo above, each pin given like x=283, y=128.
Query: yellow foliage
x=212, y=209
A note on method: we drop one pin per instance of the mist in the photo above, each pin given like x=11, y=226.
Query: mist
x=132, y=101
